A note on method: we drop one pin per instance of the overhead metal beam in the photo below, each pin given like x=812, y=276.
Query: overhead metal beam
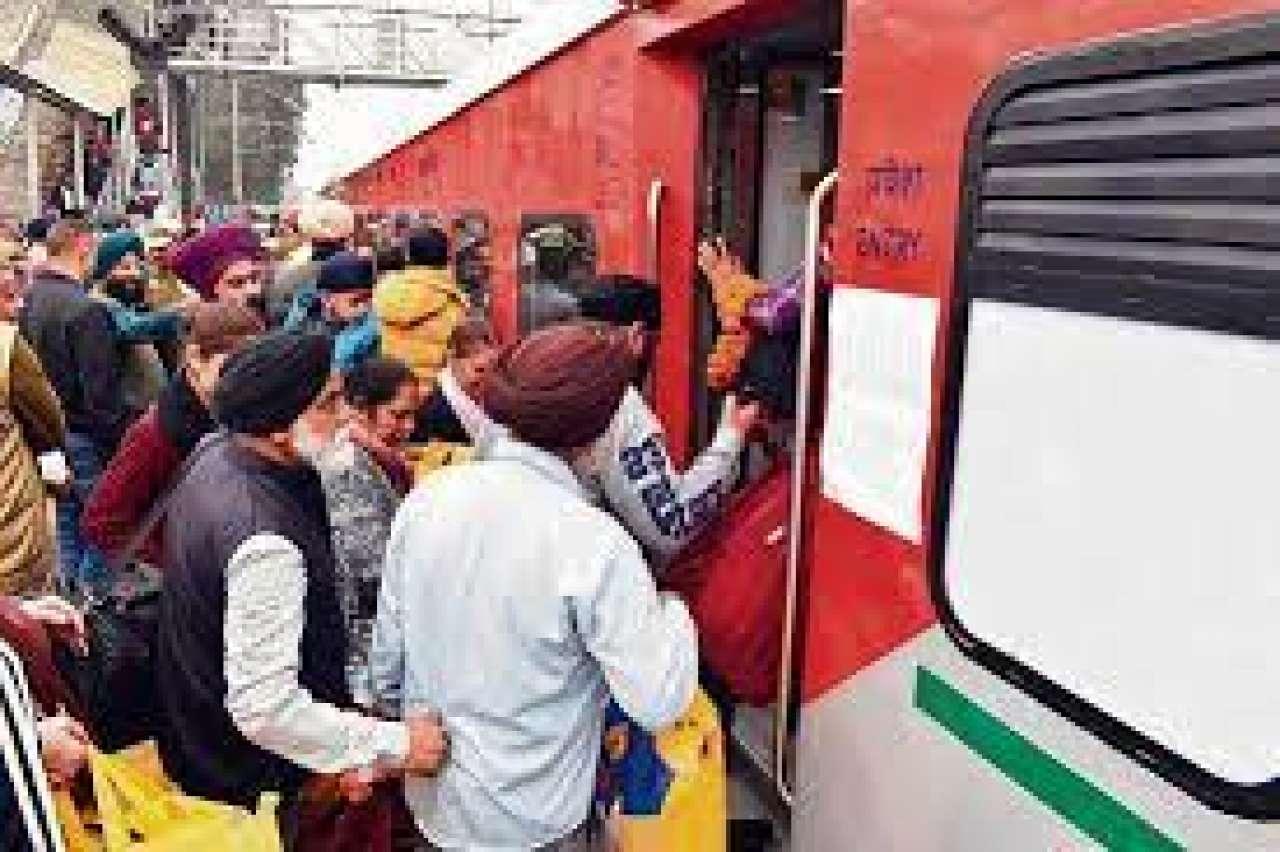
x=340, y=42
x=189, y=7
x=311, y=74
x=145, y=52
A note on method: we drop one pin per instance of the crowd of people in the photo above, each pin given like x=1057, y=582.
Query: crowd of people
x=390, y=552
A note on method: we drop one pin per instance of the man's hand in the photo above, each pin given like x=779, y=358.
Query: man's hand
x=741, y=417
x=64, y=748
x=356, y=786
x=716, y=261
x=428, y=745
x=61, y=619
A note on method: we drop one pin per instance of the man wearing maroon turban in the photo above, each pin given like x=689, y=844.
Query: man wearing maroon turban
x=507, y=559
x=223, y=264
x=559, y=388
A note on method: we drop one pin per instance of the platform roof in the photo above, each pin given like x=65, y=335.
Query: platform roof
x=54, y=49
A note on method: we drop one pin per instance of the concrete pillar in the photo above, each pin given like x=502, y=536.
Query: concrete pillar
x=34, y=202
x=165, y=109
x=126, y=156
x=77, y=162
x=237, y=170
x=203, y=129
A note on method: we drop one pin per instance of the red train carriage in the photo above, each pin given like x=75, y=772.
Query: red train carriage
x=1052, y=208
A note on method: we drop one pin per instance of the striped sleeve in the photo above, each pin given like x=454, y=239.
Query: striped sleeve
x=24, y=791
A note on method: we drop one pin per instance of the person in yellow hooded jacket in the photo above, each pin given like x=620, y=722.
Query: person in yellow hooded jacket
x=419, y=307
x=418, y=310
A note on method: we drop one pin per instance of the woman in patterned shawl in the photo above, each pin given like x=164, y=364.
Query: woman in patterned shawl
x=365, y=475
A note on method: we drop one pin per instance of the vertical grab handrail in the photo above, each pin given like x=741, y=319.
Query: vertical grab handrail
x=654, y=212
x=781, y=713
x=654, y=209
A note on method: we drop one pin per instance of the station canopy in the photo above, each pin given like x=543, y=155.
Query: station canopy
x=57, y=49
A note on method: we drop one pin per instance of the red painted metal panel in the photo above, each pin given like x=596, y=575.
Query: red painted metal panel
x=668, y=96
x=556, y=140
x=914, y=70
x=692, y=25
x=588, y=131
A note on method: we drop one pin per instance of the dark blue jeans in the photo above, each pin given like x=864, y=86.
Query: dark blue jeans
x=81, y=568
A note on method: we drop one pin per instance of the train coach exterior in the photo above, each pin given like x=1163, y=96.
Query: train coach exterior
x=910, y=736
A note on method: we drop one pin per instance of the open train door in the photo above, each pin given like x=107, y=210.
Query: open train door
x=1105, y=535
x=770, y=125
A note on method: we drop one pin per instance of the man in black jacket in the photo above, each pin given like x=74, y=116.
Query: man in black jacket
x=252, y=646
x=77, y=344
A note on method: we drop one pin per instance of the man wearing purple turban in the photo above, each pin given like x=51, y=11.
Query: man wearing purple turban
x=223, y=264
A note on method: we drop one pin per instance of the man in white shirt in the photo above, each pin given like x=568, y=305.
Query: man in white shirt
x=513, y=607
x=628, y=469
x=251, y=639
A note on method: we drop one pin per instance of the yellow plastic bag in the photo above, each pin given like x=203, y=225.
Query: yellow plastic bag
x=431, y=457
x=140, y=810
x=694, y=815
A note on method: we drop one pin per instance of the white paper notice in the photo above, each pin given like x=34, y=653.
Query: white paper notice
x=880, y=379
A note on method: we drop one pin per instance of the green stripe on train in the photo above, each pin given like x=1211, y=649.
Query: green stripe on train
x=1066, y=792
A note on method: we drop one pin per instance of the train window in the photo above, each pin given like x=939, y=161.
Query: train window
x=557, y=265
x=473, y=257
x=1104, y=535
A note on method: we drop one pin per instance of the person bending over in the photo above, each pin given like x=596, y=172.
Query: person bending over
x=513, y=607
x=251, y=646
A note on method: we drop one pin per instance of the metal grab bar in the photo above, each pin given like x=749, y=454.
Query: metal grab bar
x=781, y=711
x=654, y=208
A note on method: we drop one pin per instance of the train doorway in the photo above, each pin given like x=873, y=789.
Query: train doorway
x=770, y=134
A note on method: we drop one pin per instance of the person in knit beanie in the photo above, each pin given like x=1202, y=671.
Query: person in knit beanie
x=119, y=258
x=224, y=263
x=346, y=292
x=118, y=278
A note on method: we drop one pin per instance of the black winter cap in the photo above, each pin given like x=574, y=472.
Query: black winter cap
x=345, y=272
x=266, y=387
x=428, y=248
x=623, y=300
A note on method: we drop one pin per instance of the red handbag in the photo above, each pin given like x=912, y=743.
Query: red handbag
x=733, y=578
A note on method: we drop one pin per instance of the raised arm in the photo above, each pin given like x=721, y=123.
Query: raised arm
x=133, y=326
x=663, y=508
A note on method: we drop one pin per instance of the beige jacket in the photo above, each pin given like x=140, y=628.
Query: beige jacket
x=31, y=423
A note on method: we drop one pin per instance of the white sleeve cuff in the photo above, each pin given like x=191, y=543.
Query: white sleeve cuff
x=388, y=742
x=728, y=439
